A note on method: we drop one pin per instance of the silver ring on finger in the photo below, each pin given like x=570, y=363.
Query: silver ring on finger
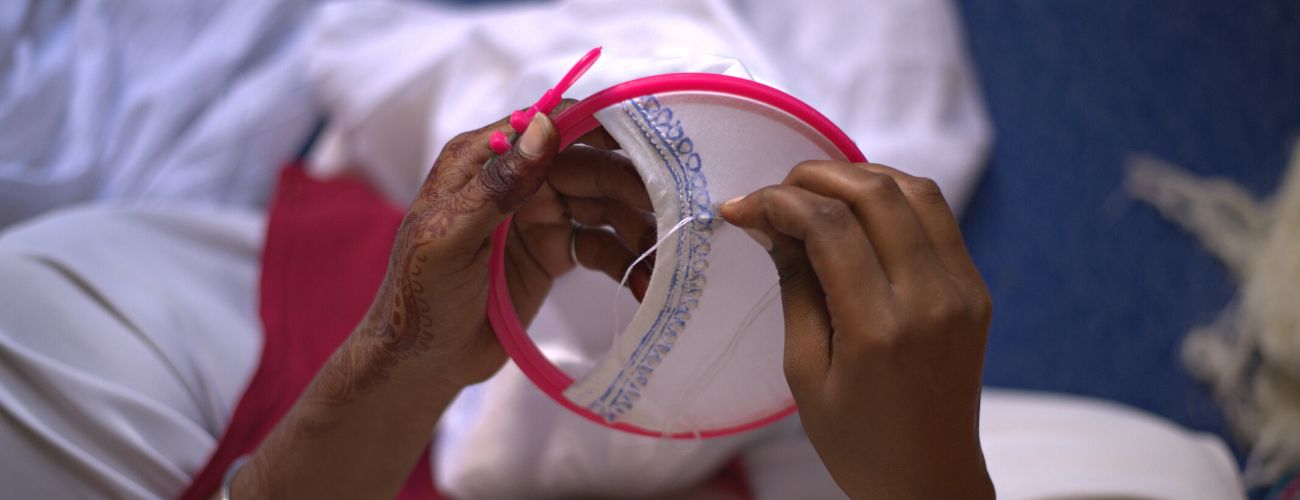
x=573, y=243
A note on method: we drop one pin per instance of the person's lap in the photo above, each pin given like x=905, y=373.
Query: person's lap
x=126, y=338
x=134, y=331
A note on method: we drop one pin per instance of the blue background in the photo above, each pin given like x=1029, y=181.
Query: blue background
x=1092, y=290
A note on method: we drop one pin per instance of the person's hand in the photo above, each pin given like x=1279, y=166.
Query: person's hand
x=432, y=303
x=588, y=189
x=360, y=426
x=886, y=319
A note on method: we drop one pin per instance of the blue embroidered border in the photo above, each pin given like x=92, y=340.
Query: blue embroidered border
x=683, y=163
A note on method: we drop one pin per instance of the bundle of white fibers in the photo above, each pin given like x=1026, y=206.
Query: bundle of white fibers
x=1251, y=354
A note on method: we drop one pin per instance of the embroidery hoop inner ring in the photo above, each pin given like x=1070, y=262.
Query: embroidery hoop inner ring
x=573, y=123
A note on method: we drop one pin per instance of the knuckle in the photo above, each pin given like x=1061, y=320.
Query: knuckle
x=981, y=307
x=504, y=181
x=766, y=194
x=806, y=167
x=832, y=213
x=761, y=200
x=943, y=310
x=923, y=189
x=466, y=136
x=888, y=334
x=791, y=271
x=457, y=150
x=876, y=186
x=497, y=176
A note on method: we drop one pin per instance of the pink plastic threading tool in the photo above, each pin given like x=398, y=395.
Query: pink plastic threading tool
x=520, y=119
x=573, y=123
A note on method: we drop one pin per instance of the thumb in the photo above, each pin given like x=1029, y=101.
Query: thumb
x=508, y=180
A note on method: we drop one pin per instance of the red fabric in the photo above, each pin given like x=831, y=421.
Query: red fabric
x=732, y=480
x=327, y=248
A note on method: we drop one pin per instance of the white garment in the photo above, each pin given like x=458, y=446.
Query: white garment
x=1041, y=445
x=136, y=329
x=892, y=73
x=126, y=339
x=147, y=101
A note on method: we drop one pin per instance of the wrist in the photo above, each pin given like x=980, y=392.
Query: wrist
x=947, y=472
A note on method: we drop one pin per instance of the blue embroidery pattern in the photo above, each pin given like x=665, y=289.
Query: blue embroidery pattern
x=682, y=163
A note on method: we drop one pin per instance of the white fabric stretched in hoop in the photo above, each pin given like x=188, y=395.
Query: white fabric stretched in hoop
x=694, y=150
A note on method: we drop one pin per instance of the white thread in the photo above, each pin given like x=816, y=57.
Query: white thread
x=714, y=367
x=618, y=324
x=693, y=391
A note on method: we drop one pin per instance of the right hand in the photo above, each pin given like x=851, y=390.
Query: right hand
x=886, y=319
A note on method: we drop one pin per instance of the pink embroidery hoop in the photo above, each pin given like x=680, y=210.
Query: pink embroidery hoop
x=580, y=119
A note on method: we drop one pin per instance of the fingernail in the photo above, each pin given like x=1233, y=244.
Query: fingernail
x=759, y=237
x=534, y=139
x=732, y=202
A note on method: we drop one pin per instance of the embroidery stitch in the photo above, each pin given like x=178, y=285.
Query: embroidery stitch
x=686, y=287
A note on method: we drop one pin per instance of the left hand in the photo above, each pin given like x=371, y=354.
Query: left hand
x=588, y=187
x=360, y=425
x=433, y=299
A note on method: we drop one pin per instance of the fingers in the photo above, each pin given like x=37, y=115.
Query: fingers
x=635, y=228
x=884, y=212
x=458, y=162
x=545, y=245
x=598, y=138
x=936, y=219
x=506, y=181
x=829, y=271
x=546, y=207
x=842, y=255
x=807, y=354
x=594, y=173
x=601, y=250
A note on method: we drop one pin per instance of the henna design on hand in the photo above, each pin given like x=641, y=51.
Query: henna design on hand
x=400, y=324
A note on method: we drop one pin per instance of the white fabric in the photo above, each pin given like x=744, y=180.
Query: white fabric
x=1036, y=445
x=124, y=355
x=891, y=73
x=704, y=350
x=126, y=339
x=147, y=101
x=1041, y=445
